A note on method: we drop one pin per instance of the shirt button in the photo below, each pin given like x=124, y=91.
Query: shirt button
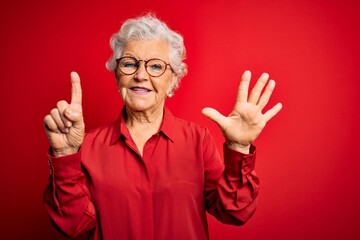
x=51, y=171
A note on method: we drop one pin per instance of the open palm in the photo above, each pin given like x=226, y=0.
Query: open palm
x=246, y=120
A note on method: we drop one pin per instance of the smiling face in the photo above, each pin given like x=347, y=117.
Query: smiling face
x=140, y=91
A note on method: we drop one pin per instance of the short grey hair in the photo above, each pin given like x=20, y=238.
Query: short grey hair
x=148, y=27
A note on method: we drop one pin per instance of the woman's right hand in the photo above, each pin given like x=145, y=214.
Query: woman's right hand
x=64, y=126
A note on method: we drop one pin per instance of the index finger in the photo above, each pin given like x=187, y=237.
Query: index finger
x=76, y=92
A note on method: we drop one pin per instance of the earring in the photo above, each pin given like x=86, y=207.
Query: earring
x=170, y=94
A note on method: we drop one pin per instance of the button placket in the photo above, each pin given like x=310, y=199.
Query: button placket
x=50, y=167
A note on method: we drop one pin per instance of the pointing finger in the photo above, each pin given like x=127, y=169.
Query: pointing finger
x=76, y=92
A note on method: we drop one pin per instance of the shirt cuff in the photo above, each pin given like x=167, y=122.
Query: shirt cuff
x=237, y=163
x=65, y=167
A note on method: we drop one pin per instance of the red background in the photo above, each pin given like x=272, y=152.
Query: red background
x=308, y=156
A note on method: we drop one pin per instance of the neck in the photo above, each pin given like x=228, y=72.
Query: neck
x=136, y=119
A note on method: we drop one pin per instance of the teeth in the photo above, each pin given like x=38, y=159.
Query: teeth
x=140, y=89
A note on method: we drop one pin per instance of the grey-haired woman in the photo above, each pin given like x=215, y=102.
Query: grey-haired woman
x=148, y=174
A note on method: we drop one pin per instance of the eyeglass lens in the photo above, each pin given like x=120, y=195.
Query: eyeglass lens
x=154, y=67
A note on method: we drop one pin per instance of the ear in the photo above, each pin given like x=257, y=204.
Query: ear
x=174, y=81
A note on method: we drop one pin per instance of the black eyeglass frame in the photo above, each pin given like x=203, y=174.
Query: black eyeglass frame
x=145, y=62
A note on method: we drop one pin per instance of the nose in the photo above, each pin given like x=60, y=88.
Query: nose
x=141, y=73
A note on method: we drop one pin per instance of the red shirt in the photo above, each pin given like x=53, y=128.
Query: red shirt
x=113, y=192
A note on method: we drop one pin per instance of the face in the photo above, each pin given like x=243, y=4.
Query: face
x=140, y=91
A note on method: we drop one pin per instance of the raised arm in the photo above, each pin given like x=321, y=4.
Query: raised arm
x=231, y=194
x=66, y=197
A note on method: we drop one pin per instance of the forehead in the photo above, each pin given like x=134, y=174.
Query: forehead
x=145, y=49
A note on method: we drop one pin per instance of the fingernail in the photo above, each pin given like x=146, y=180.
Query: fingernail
x=68, y=124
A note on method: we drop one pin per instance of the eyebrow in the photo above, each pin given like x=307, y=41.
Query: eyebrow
x=130, y=55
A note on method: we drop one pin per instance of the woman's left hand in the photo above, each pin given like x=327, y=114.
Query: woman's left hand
x=246, y=120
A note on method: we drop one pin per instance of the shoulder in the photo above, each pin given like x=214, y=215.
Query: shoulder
x=194, y=137
x=188, y=129
x=180, y=122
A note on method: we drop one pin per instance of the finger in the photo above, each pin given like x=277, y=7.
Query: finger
x=242, y=94
x=76, y=92
x=256, y=91
x=61, y=106
x=74, y=115
x=264, y=99
x=215, y=116
x=50, y=124
x=55, y=115
x=272, y=112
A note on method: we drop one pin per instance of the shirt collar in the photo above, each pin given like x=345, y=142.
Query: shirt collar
x=167, y=126
x=121, y=130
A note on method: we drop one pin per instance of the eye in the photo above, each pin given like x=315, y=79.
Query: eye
x=156, y=67
x=128, y=63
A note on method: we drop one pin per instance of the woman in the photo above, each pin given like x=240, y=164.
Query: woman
x=150, y=175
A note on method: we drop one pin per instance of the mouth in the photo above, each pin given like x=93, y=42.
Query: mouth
x=140, y=89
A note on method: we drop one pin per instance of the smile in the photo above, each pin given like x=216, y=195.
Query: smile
x=140, y=90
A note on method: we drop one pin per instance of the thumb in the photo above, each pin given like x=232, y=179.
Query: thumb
x=214, y=115
x=74, y=114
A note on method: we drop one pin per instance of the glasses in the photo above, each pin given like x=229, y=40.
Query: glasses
x=154, y=67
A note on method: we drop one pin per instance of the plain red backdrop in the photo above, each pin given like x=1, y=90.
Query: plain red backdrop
x=308, y=157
